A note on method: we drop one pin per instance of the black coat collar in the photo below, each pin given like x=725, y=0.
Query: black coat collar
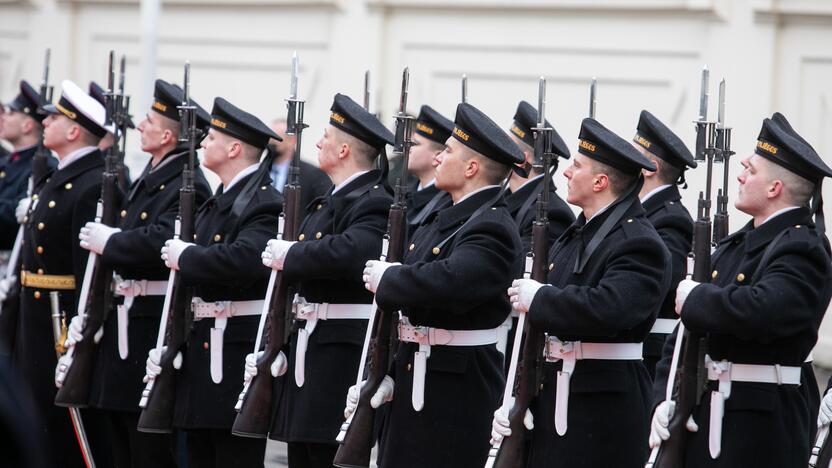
x=87, y=162
x=668, y=194
x=756, y=238
x=454, y=215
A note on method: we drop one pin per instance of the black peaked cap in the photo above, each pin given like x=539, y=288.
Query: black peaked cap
x=599, y=143
x=231, y=120
x=28, y=101
x=781, y=145
x=352, y=118
x=525, y=119
x=475, y=130
x=655, y=137
x=433, y=125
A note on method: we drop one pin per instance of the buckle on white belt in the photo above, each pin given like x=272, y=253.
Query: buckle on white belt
x=129, y=289
x=221, y=311
x=311, y=312
x=572, y=351
x=726, y=372
x=426, y=337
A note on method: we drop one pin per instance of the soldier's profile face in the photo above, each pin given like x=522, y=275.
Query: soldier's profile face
x=55, y=127
x=754, y=184
x=151, y=132
x=214, y=149
x=11, y=125
x=450, y=166
x=580, y=176
x=422, y=154
x=328, y=149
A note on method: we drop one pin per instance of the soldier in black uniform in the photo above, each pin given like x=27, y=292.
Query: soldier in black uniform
x=524, y=190
x=146, y=221
x=22, y=127
x=770, y=287
x=664, y=209
x=341, y=231
x=431, y=132
x=51, y=257
x=608, y=274
x=448, y=374
x=228, y=287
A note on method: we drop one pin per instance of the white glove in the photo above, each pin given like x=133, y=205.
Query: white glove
x=94, y=236
x=522, y=292
x=22, y=209
x=74, y=333
x=277, y=368
x=825, y=413
x=500, y=424
x=383, y=394
x=275, y=253
x=60, y=370
x=154, y=358
x=172, y=250
x=5, y=285
x=682, y=291
x=659, y=430
x=373, y=271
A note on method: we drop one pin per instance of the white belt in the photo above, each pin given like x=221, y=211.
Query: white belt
x=726, y=372
x=572, y=351
x=220, y=311
x=130, y=289
x=502, y=335
x=426, y=337
x=664, y=326
x=312, y=312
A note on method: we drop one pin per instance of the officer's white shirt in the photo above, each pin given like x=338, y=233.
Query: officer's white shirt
x=421, y=187
x=249, y=170
x=778, y=213
x=653, y=192
x=348, y=180
x=473, y=192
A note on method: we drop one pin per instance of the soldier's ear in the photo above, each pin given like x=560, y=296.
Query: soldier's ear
x=73, y=132
x=775, y=189
x=600, y=182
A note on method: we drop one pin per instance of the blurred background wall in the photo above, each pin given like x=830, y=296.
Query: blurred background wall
x=646, y=54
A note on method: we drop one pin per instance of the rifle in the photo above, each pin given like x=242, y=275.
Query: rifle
x=464, y=88
x=59, y=333
x=688, y=377
x=255, y=401
x=722, y=155
x=121, y=119
x=40, y=166
x=512, y=451
x=159, y=394
x=96, y=291
x=821, y=456
x=356, y=435
x=367, y=90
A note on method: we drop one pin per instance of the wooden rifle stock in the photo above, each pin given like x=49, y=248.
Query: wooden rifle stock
x=94, y=303
x=159, y=395
x=255, y=402
x=357, y=433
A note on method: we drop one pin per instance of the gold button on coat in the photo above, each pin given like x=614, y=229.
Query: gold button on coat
x=37, y=294
x=714, y=274
x=123, y=213
x=217, y=237
x=41, y=226
x=40, y=249
x=161, y=187
x=68, y=186
x=205, y=345
x=412, y=246
x=740, y=277
x=435, y=250
x=52, y=204
x=317, y=235
x=143, y=216
x=301, y=237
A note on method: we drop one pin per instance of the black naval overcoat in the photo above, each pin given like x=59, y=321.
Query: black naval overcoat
x=462, y=287
x=67, y=202
x=614, y=300
x=340, y=233
x=417, y=203
x=560, y=215
x=762, y=316
x=14, y=181
x=225, y=265
x=672, y=221
x=146, y=220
